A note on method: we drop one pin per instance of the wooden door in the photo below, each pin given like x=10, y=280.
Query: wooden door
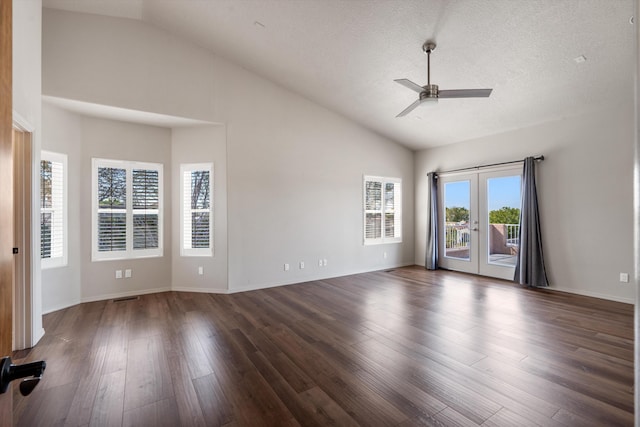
x=6, y=200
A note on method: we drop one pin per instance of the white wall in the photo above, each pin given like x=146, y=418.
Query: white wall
x=584, y=189
x=295, y=191
x=124, y=63
x=108, y=139
x=27, y=30
x=294, y=169
x=201, y=145
x=82, y=138
x=62, y=133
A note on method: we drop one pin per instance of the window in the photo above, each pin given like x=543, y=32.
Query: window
x=53, y=209
x=195, y=216
x=127, y=209
x=382, y=210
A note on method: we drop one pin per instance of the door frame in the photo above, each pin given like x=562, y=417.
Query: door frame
x=23, y=228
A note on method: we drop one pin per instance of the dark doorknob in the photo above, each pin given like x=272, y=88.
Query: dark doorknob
x=10, y=372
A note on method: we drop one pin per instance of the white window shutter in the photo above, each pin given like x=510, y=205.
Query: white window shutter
x=57, y=220
x=196, y=213
x=382, y=210
x=53, y=209
x=127, y=209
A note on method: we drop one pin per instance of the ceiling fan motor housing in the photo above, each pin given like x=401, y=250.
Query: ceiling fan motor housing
x=430, y=91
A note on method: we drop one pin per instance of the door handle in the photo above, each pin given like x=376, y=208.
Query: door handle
x=10, y=372
x=474, y=229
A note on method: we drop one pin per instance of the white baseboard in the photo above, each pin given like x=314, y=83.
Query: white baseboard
x=199, y=290
x=593, y=295
x=61, y=307
x=125, y=294
x=38, y=337
x=297, y=280
x=631, y=301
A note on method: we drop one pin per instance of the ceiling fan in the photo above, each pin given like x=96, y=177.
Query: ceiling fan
x=431, y=93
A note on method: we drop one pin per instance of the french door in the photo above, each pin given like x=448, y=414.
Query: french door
x=479, y=221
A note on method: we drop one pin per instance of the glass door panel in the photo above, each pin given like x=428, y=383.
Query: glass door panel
x=503, y=201
x=499, y=196
x=457, y=199
x=479, y=221
x=458, y=222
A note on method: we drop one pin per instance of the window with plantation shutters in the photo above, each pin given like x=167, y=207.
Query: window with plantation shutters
x=127, y=209
x=145, y=209
x=53, y=209
x=382, y=210
x=196, y=233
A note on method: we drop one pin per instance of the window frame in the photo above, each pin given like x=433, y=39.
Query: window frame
x=397, y=211
x=61, y=260
x=186, y=211
x=129, y=252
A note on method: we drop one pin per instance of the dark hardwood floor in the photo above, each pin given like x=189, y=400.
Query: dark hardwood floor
x=399, y=348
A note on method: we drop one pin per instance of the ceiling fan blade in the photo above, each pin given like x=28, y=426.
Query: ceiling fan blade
x=411, y=85
x=464, y=93
x=409, y=109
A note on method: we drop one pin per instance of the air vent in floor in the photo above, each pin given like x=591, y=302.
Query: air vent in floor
x=125, y=299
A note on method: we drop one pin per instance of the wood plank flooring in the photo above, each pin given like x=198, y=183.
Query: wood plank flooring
x=405, y=347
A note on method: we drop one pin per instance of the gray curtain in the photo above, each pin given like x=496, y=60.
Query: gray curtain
x=530, y=269
x=431, y=260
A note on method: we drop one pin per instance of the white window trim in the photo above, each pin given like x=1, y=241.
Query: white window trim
x=185, y=209
x=59, y=261
x=129, y=253
x=397, y=202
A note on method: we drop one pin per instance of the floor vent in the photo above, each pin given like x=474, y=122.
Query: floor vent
x=389, y=271
x=125, y=299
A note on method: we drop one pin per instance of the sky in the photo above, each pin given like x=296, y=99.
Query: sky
x=503, y=191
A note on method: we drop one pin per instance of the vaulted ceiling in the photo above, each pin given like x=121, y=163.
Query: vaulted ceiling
x=544, y=59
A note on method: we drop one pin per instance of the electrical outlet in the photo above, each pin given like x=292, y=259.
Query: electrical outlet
x=324, y=262
x=301, y=265
x=127, y=273
x=319, y=263
x=286, y=267
x=384, y=255
x=200, y=270
x=624, y=277
x=118, y=274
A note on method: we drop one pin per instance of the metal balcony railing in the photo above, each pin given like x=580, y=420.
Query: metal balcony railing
x=512, y=234
x=456, y=235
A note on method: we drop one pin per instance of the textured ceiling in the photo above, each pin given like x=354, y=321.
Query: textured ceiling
x=345, y=55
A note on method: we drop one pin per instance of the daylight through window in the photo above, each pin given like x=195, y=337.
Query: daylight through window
x=53, y=215
x=127, y=201
x=196, y=218
x=382, y=210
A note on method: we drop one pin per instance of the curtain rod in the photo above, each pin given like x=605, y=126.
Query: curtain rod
x=539, y=158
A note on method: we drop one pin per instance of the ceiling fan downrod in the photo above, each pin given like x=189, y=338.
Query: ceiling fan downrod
x=427, y=48
x=430, y=91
